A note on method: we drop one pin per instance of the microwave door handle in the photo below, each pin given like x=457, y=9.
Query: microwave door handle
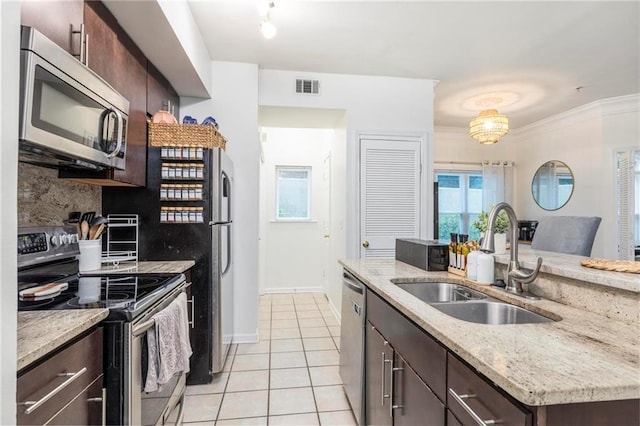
x=120, y=127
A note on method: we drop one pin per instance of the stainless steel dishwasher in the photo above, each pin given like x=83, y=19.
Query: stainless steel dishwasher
x=352, y=343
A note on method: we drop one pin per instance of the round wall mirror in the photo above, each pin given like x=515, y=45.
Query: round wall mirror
x=552, y=185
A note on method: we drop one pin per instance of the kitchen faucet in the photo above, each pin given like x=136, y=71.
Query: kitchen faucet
x=515, y=276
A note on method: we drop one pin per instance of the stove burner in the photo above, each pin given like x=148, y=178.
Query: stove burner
x=115, y=300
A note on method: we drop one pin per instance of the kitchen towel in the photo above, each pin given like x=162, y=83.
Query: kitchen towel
x=168, y=344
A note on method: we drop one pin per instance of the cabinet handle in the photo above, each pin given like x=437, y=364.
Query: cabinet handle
x=460, y=400
x=33, y=405
x=80, y=55
x=86, y=49
x=103, y=400
x=192, y=323
x=392, y=384
x=382, y=368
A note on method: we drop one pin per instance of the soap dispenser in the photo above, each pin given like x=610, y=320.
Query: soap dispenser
x=485, y=268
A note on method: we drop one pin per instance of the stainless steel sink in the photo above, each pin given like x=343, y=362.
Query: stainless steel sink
x=490, y=312
x=440, y=292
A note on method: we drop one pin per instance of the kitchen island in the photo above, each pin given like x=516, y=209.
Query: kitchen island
x=582, y=357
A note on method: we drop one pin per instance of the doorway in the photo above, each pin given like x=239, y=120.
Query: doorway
x=302, y=200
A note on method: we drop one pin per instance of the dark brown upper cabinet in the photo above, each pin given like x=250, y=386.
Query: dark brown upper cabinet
x=56, y=19
x=160, y=93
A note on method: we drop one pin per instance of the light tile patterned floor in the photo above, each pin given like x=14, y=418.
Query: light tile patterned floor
x=290, y=377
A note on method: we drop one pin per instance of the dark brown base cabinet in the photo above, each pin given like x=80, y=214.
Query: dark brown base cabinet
x=66, y=388
x=411, y=379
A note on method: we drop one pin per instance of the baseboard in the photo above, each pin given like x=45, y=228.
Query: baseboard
x=334, y=310
x=294, y=290
x=245, y=338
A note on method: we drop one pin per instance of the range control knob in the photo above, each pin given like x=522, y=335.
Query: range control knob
x=55, y=241
x=66, y=239
x=73, y=238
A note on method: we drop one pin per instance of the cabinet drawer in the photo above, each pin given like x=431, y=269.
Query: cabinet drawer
x=467, y=388
x=85, y=409
x=423, y=353
x=78, y=365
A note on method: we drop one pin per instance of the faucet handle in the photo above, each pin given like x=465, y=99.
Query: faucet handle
x=524, y=278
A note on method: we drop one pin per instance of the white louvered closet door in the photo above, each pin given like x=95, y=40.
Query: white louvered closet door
x=389, y=194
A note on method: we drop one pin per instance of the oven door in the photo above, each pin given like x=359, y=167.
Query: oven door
x=65, y=124
x=157, y=408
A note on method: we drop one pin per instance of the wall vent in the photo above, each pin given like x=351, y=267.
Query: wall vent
x=309, y=87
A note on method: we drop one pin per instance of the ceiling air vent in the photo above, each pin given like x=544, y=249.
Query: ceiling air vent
x=309, y=87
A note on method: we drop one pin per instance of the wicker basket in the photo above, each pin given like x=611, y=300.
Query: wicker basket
x=612, y=265
x=164, y=134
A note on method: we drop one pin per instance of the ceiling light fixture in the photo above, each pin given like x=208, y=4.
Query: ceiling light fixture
x=489, y=126
x=264, y=10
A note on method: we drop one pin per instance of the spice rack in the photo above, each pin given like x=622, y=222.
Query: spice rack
x=181, y=188
x=122, y=238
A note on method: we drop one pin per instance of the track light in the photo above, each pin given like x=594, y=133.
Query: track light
x=264, y=10
x=268, y=29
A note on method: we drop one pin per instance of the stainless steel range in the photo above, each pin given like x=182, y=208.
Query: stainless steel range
x=47, y=256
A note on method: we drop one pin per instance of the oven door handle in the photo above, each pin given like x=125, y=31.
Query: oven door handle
x=141, y=328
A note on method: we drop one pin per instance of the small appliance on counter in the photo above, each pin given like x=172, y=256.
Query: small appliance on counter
x=430, y=255
x=526, y=230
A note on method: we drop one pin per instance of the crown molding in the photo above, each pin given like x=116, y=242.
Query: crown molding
x=596, y=109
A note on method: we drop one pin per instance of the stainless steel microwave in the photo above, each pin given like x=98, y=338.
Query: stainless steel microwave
x=69, y=116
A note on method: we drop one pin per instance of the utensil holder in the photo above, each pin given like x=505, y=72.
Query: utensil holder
x=90, y=255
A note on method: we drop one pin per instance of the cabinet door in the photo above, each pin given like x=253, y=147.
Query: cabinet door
x=55, y=19
x=101, y=40
x=472, y=399
x=413, y=402
x=378, y=360
x=160, y=94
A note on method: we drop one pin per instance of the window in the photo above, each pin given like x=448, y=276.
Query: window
x=293, y=193
x=459, y=202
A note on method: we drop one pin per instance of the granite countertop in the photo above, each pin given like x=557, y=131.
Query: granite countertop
x=147, y=267
x=568, y=265
x=40, y=332
x=584, y=357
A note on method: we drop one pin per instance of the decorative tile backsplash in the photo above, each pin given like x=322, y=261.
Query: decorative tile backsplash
x=43, y=199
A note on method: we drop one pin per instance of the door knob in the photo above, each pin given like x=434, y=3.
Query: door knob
x=326, y=236
x=365, y=244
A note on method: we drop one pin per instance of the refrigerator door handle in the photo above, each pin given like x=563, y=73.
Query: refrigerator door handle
x=212, y=223
x=228, y=265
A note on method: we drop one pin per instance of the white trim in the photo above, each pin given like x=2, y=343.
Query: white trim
x=245, y=338
x=601, y=107
x=353, y=182
x=335, y=312
x=456, y=167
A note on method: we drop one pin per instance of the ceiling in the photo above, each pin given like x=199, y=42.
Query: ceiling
x=528, y=59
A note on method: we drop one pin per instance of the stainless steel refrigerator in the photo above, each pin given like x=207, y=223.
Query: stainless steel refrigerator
x=208, y=243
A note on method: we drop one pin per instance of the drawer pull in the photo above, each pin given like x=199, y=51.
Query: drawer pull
x=460, y=400
x=33, y=405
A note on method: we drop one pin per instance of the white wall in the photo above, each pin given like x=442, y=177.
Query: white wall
x=584, y=138
x=235, y=108
x=338, y=233
x=9, y=77
x=385, y=105
x=294, y=252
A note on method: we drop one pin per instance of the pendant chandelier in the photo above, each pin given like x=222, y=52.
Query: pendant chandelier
x=489, y=126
